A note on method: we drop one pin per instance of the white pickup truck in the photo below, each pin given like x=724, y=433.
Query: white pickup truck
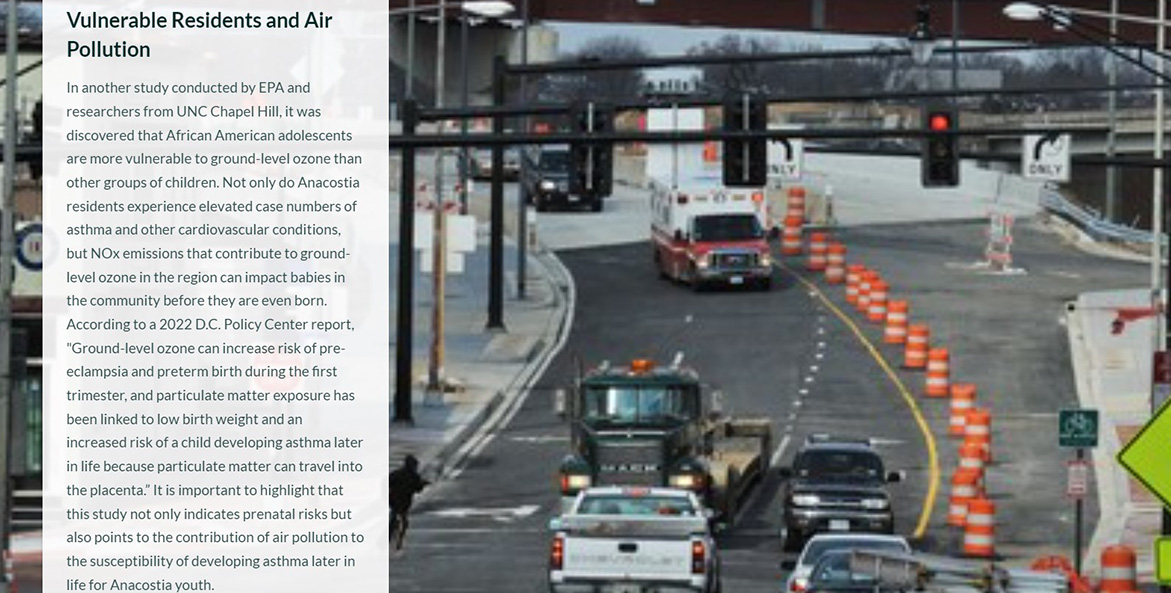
x=634, y=540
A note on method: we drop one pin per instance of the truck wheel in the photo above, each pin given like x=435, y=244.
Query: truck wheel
x=597, y=205
x=791, y=542
x=542, y=205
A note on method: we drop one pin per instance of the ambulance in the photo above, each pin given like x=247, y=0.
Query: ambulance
x=703, y=233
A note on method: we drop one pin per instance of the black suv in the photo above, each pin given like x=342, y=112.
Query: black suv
x=836, y=484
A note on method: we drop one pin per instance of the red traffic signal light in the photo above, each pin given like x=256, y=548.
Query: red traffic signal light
x=939, y=122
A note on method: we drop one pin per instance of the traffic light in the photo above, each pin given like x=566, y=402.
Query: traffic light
x=941, y=155
x=591, y=163
x=745, y=161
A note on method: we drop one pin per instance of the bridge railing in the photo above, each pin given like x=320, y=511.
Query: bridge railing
x=1091, y=221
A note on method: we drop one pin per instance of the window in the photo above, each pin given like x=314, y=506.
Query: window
x=621, y=404
x=29, y=387
x=839, y=464
x=641, y=505
x=739, y=227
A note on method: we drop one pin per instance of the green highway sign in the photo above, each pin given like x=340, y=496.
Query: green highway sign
x=1077, y=429
x=1163, y=560
x=1145, y=456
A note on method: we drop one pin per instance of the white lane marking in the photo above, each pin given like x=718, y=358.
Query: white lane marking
x=482, y=439
x=821, y=345
x=814, y=368
x=540, y=439
x=796, y=403
x=505, y=514
x=821, y=330
x=803, y=391
x=819, y=355
x=793, y=416
x=780, y=452
x=809, y=379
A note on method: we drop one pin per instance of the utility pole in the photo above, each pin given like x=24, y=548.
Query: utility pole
x=411, y=51
x=434, y=392
x=7, y=256
x=1158, y=273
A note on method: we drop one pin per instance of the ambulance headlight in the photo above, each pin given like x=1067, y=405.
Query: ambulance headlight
x=703, y=261
x=766, y=259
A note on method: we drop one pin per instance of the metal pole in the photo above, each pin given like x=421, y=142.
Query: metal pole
x=496, y=239
x=1112, y=109
x=465, y=153
x=406, y=271
x=7, y=257
x=955, y=44
x=411, y=52
x=522, y=194
x=1077, y=523
x=1158, y=280
x=441, y=55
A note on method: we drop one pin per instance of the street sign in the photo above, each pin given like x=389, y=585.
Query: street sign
x=1163, y=560
x=786, y=157
x=1077, y=479
x=1046, y=157
x=1077, y=429
x=1145, y=456
x=29, y=246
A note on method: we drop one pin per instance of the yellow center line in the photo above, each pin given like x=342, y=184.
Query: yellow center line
x=928, y=438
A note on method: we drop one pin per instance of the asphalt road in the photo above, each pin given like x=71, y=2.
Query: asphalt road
x=787, y=355
x=761, y=349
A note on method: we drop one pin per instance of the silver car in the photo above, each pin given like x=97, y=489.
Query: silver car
x=821, y=543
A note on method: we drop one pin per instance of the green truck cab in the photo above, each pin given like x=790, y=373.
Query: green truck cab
x=643, y=425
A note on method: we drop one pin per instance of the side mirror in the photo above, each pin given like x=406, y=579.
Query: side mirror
x=709, y=514
x=898, y=476
x=559, y=400
x=785, y=472
x=555, y=524
x=717, y=402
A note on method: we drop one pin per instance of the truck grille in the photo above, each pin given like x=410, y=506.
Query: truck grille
x=740, y=260
x=636, y=464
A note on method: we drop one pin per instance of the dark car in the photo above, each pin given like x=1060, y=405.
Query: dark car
x=836, y=484
x=547, y=180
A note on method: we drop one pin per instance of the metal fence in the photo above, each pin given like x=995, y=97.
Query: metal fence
x=1091, y=220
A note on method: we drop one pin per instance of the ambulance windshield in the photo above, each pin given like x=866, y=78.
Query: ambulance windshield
x=727, y=227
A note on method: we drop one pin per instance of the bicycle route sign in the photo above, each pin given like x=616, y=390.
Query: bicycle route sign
x=1077, y=428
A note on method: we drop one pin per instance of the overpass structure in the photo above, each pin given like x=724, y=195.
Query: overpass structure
x=978, y=19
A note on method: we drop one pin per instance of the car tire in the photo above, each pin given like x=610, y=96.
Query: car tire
x=596, y=206
x=791, y=542
x=542, y=204
x=765, y=285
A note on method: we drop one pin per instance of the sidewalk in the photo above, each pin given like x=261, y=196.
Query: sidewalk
x=489, y=370
x=1113, y=374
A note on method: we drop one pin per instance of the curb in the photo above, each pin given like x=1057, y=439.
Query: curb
x=459, y=449
x=1083, y=242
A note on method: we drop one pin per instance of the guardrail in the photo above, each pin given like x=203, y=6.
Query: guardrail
x=1091, y=221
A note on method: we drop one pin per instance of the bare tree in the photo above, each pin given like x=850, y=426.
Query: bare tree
x=605, y=85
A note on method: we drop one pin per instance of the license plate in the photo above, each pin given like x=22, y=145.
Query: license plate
x=627, y=588
x=839, y=525
x=736, y=280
